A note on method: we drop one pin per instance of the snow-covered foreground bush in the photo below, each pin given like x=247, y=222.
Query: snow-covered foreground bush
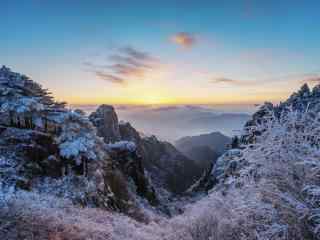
x=270, y=190
x=26, y=215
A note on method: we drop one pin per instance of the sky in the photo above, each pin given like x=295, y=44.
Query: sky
x=163, y=52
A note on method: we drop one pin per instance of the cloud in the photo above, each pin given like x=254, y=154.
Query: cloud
x=165, y=108
x=311, y=77
x=135, y=54
x=230, y=81
x=184, y=39
x=124, y=64
x=307, y=77
x=224, y=80
x=109, y=77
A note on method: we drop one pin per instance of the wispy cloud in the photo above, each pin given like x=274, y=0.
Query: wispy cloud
x=124, y=64
x=230, y=81
x=223, y=80
x=308, y=77
x=184, y=39
x=109, y=77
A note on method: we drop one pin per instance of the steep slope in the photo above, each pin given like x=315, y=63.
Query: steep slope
x=167, y=167
x=269, y=187
x=203, y=156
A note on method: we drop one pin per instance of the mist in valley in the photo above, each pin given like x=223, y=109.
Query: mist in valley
x=173, y=122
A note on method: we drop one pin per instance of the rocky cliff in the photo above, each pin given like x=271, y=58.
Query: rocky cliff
x=167, y=167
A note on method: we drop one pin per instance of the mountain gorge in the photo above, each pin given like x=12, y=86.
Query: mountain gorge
x=169, y=169
x=65, y=175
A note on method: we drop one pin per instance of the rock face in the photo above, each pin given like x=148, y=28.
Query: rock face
x=167, y=167
x=127, y=163
x=26, y=155
x=252, y=129
x=106, y=121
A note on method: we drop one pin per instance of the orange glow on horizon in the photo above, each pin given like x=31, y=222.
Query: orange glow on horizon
x=165, y=100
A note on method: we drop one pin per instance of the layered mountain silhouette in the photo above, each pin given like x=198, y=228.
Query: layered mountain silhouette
x=205, y=148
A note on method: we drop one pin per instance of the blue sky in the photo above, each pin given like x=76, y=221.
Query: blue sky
x=197, y=51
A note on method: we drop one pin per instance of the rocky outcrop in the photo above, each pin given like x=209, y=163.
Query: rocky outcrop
x=26, y=155
x=129, y=133
x=106, y=121
x=167, y=167
x=253, y=128
x=127, y=166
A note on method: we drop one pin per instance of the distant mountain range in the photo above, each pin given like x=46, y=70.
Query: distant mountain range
x=228, y=123
x=205, y=148
x=216, y=141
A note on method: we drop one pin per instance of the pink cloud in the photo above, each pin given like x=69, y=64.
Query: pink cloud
x=184, y=39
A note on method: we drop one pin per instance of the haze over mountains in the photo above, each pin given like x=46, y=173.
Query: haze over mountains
x=170, y=123
x=204, y=149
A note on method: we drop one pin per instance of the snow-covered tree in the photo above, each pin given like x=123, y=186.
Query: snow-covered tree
x=23, y=102
x=78, y=141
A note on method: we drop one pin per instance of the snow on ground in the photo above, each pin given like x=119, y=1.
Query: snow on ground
x=53, y=218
